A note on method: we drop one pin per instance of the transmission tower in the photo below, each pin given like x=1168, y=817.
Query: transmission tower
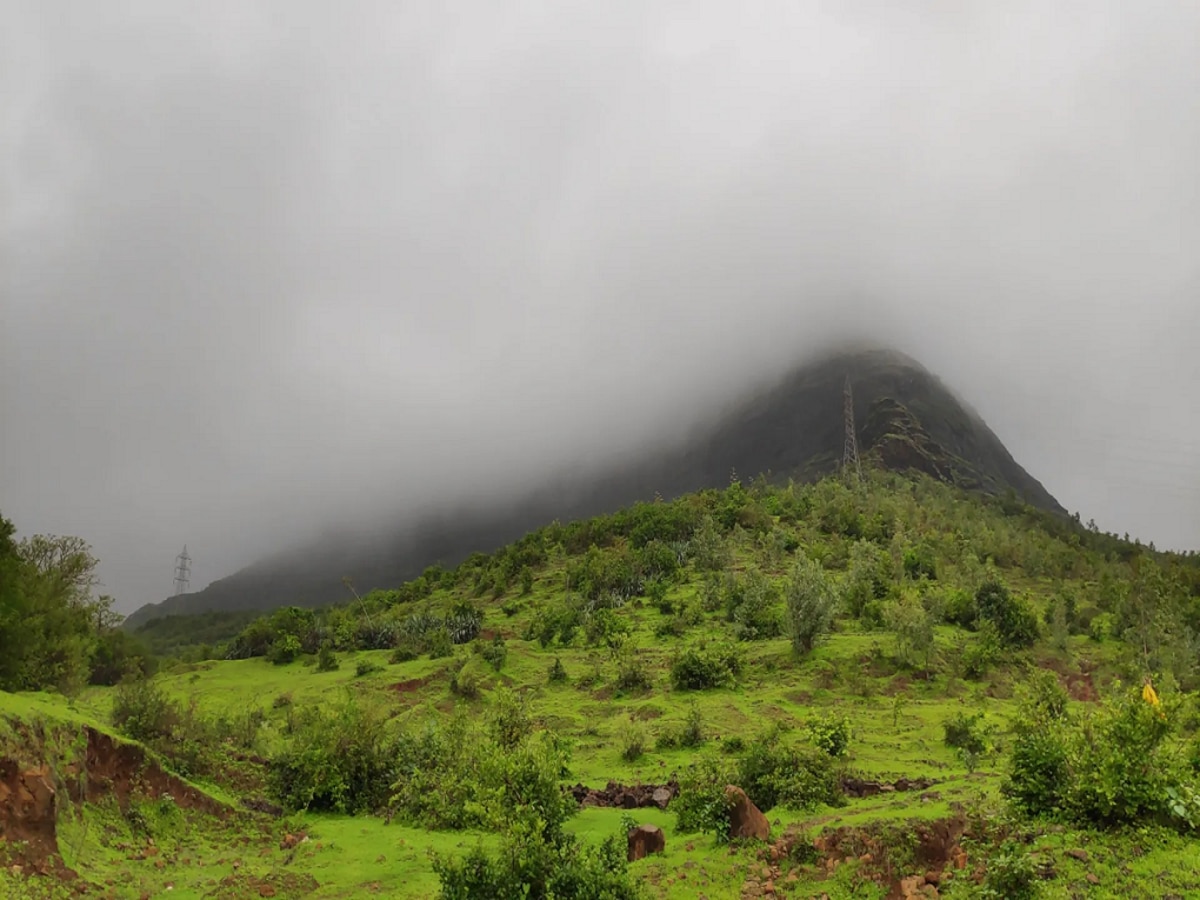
x=183, y=572
x=850, y=464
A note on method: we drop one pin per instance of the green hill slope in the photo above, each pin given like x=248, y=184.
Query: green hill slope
x=665, y=645
x=906, y=417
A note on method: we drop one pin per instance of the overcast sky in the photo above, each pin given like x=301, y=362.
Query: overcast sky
x=265, y=266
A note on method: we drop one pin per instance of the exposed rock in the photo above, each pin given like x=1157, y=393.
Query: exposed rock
x=644, y=840
x=745, y=819
x=626, y=796
x=860, y=787
x=1081, y=855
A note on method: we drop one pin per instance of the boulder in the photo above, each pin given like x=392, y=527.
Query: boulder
x=644, y=840
x=661, y=797
x=745, y=819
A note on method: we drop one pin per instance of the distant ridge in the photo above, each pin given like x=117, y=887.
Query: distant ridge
x=905, y=417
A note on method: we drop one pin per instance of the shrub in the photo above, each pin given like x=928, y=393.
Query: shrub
x=632, y=673
x=285, y=649
x=773, y=773
x=143, y=711
x=692, y=732
x=327, y=660
x=508, y=720
x=965, y=732
x=1016, y=624
x=440, y=644
x=810, y=605
x=830, y=734
x=557, y=673
x=701, y=805
x=366, y=667
x=404, y=652
x=466, y=682
x=634, y=740
x=532, y=866
x=754, y=614
x=340, y=759
x=1111, y=766
x=1011, y=875
x=703, y=666
x=496, y=653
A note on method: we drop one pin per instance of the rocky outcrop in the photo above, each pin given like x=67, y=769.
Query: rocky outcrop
x=745, y=819
x=644, y=840
x=626, y=796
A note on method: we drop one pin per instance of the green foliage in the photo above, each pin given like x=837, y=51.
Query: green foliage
x=117, y=654
x=529, y=866
x=703, y=665
x=509, y=722
x=285, y=649
x=752, y=606
x=456, y=775
x=54, y=634
x=327, y=660
x=495, y=653
x=810, y=605
x=1016, y=625
x=634, y=739
x=774, y=772
x=339, y=759
x=364, y=667
x=912, y=627
x=965, y=733
x=557, y=673
x=830, y=734
x=868, y=577
x=1112, y=766
x=143, y=711
x=1011, y=875
x=701, y=805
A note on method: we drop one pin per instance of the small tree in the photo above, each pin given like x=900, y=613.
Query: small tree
x=810, y=604
x=913, y=628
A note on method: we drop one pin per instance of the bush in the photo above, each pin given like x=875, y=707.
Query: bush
x=773, y=773
x=557, y=673
x=1016, y=624
x=701, y=805
x=285, y=649
x=366, y=667
x=508, y=720
x=404, y=652
x=632, y=673
x=340, y=760
x=529, y=865
x=143, y=711
x=810, y=605
x=440, y=644
x=965, y=732
x=830, y=734
x=704, y=666
x=692, y=732
x=496, y=653
x=1011, y=875
x=1112, y=766
x=327, y=660
x=634, y=740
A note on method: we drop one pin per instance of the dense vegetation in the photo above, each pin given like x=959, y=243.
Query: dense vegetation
x=761, y=635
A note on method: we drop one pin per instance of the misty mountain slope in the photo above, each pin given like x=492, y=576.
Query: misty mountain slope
x=905, y=418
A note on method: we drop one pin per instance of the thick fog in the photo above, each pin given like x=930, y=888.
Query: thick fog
x=269, y=267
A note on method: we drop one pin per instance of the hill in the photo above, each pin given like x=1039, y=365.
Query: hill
x=928, y=691
x=906, y=419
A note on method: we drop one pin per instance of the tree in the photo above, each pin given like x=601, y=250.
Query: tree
x=49, y=621
x=913, y=628
x=810, y=604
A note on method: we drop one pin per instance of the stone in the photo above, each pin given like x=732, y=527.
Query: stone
x=1081, y=855
x=1092, y=879
x=745, y=819
x=644, y=840
x=661, y=797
